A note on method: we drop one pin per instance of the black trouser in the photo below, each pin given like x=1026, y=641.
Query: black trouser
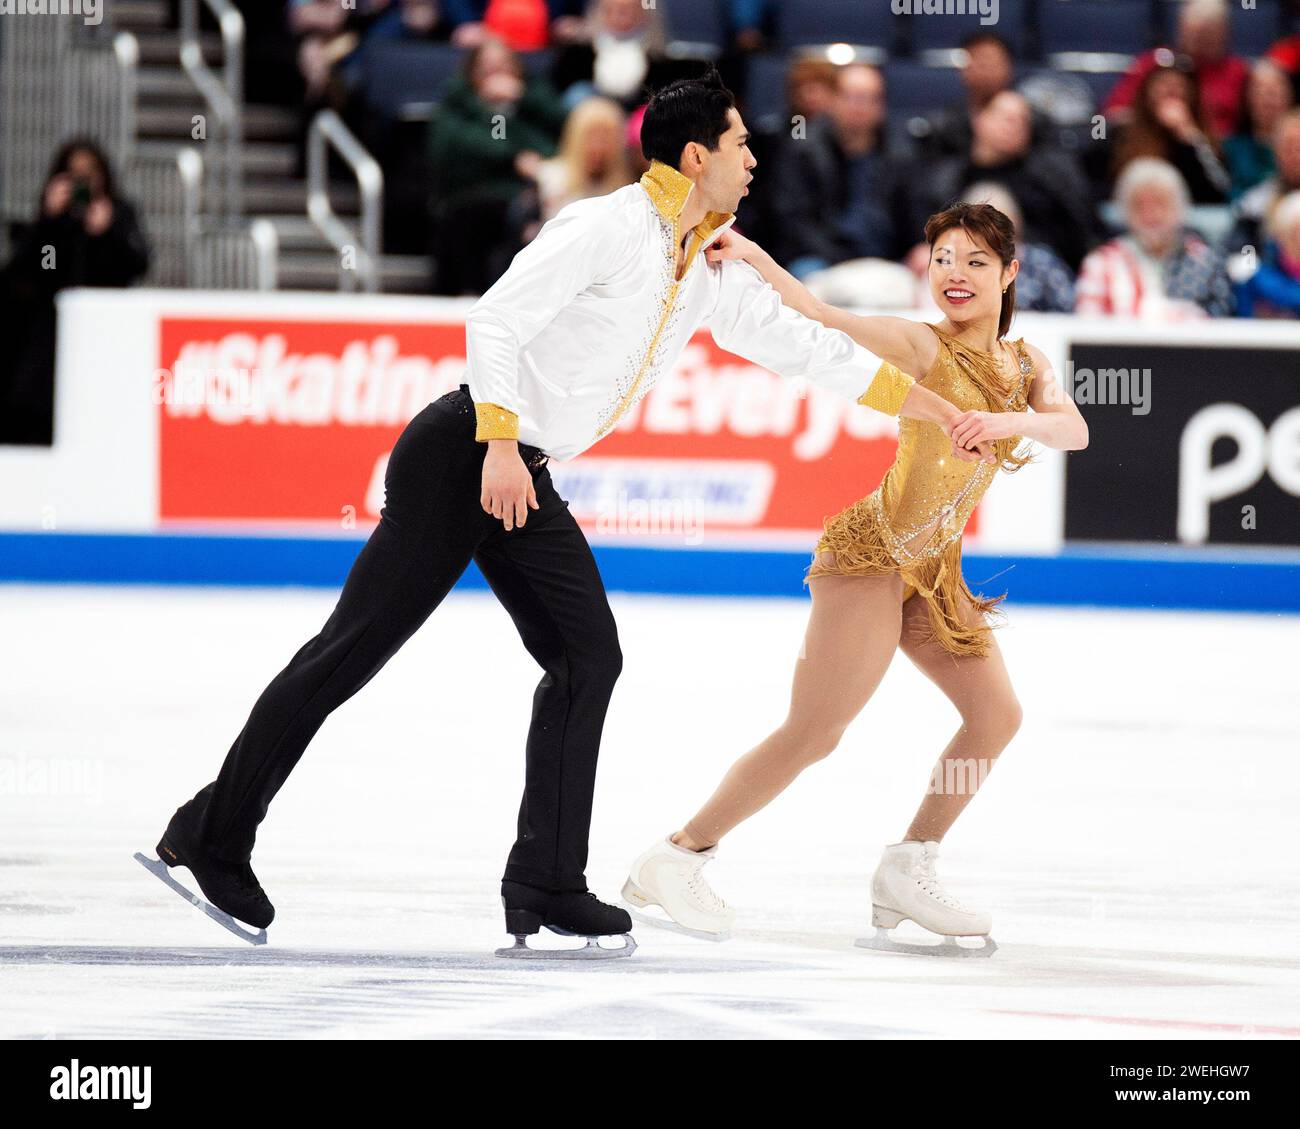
x=431, y=525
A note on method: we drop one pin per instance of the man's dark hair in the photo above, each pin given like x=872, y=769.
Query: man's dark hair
x=991, y=37
x=690, y=109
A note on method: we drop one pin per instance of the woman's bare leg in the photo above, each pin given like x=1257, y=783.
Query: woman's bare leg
x=981, y=690
x=852, y=636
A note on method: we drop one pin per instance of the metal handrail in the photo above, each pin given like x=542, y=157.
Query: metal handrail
x=126, y=50
x=327, y=130
x=224, y=96
x=266, y=248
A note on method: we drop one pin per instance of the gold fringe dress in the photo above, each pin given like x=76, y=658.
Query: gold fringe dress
x=912, y=522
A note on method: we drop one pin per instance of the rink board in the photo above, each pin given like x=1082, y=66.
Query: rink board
x=230, y=438
x=1116, y=577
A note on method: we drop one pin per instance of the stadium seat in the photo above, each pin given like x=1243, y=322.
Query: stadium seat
x=913, y=89
x=400, y=74
x=801, y=23
x=765, y=93
x=1113, y=26
x=696, y=21
x=944, y=32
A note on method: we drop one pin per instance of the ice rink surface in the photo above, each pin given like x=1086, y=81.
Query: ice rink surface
x=1136, y=843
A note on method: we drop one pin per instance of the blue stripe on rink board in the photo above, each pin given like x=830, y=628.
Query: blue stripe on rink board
x=1116, y=576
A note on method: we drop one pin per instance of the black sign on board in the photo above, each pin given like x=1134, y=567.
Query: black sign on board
x=1190, y=445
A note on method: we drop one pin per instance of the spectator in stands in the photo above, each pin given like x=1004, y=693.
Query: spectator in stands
x=1202, y=38
x=524, y=25
x=85, y=234
x=1249, y=153
x=1045, y=283
x=1253, y=208
x=840, y=191
x=1159, y=269
x=987, y=69
x=619, y=52
x=494, y=125
x=810, y=86
x=1274, y=289
x=749, y=24
x=592, y=160
x=1167, y=123
x=1049, y=184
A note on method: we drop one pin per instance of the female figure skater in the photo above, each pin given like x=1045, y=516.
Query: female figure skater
x=886, y=573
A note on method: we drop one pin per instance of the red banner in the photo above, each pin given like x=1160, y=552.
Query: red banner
x=292, y=421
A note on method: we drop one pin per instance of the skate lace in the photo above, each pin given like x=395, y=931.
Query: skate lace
x=924, y=875
x=702, y=891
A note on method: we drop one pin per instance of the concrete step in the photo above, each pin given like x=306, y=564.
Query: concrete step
x=163, y=46
x=175, y=120
x=283, y=196
x=130, y=15
x=318, y=270
x=161, y=82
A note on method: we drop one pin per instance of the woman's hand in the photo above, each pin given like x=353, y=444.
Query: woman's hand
x=972, y=428
x=729, y=245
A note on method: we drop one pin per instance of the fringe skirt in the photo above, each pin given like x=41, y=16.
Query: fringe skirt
x=855, y=538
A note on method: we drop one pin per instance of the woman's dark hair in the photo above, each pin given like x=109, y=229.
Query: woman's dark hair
x=1144, y=136
x=992, y=228
x=63, y=161
x=690, y=109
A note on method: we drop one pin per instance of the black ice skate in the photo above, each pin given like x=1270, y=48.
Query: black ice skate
x=232, y=889
x=528, y=910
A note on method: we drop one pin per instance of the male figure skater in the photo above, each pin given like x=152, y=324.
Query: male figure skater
x=575, y=332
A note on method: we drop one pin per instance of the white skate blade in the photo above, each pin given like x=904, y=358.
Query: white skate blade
x=158, y=869
x=948, y=947
x=670, y=925
x=593, y=950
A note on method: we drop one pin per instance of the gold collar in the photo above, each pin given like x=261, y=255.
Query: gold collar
x=668, y=190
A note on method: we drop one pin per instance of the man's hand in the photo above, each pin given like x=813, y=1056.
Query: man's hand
x=507, y=485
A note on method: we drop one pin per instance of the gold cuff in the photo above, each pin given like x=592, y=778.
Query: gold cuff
x=495, y=422
x=888, y=389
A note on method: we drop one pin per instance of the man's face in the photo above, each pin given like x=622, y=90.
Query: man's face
x=1153, y=215
x=725, y=171
x=987, y=71
x=859, y=102
x=1203, y=36
x=1004, y=125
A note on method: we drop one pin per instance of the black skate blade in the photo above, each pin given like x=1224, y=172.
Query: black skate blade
x=593, y=950
x=669, y=925
x=882, y=942
x=158, y=869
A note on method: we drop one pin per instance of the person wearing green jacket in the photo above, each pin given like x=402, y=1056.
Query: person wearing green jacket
x=493, y=127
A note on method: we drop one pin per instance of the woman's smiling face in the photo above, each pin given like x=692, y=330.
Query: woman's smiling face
x=966, y=278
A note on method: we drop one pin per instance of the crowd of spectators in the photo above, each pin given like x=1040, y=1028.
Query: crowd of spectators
x=1172, y=200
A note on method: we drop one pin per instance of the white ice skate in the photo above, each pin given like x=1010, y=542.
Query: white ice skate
x=905, y=888
x=668, y=876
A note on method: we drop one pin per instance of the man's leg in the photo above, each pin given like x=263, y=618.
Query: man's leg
x=429, y=529
x=546, y=578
